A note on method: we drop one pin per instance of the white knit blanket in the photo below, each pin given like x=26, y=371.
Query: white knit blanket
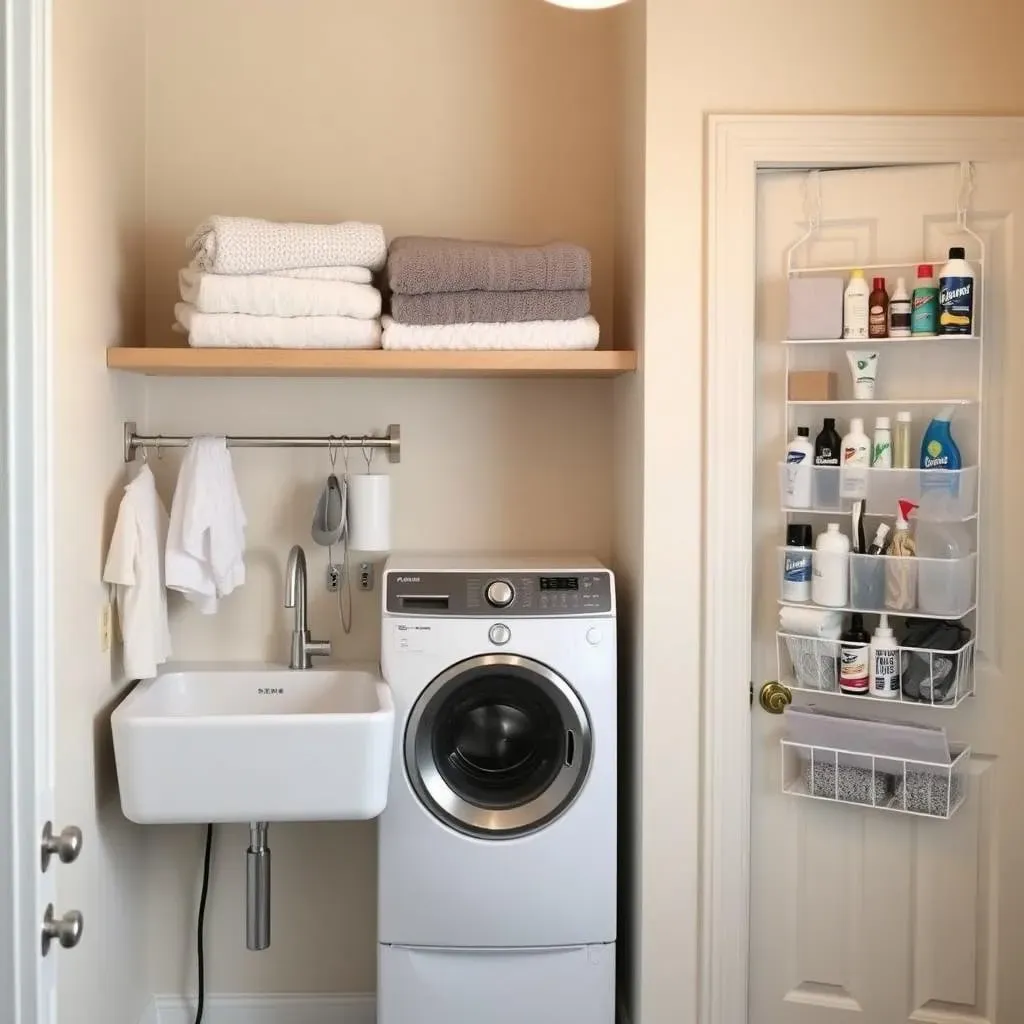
x=582, y=334
x=246, y=245
x=355, y=275
x=265, y=295
x=240, y=330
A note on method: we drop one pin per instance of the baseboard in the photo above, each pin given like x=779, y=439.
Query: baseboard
x=286, y=1009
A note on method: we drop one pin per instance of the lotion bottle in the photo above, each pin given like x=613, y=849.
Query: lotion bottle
x=855, y=307
x=830, y=581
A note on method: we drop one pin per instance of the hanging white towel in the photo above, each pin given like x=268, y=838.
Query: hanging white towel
x=265, y=295
x=241, y=330
x=135, y=569
x=535, y=335
x=205, y=557
x=247, y=245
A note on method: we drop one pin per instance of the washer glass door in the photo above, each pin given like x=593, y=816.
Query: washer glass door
x=498, y=746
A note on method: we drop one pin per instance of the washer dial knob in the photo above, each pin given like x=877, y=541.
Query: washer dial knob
x=499, y=594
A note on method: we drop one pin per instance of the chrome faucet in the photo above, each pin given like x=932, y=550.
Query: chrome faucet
x=303, y=648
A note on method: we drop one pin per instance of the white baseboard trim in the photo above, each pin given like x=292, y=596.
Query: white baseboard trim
x=286, y=1009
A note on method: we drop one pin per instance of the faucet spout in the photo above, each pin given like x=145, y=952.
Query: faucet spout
x=303, y=648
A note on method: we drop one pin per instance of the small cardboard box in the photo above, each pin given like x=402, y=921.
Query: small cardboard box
x=812, y=386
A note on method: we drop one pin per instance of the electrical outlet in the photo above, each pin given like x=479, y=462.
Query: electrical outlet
x=106, y=627
x=333, y=579
x=365, y=576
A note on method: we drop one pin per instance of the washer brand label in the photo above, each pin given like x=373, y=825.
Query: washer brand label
x=408, y=579
x=270, y=691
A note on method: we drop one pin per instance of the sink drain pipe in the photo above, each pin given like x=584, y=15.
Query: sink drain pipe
x=257, y=888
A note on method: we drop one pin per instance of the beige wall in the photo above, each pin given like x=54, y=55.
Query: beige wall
x=98, y=51
x=788, y=56
x=487, y=119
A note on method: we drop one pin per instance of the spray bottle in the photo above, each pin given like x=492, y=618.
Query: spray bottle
x=900, y=573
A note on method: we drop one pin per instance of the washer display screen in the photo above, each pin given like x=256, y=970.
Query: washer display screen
x=559, y=583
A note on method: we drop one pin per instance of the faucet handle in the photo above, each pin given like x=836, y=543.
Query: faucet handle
x=318, y=649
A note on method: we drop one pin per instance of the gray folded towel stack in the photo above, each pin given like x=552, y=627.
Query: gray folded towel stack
x=441, y=281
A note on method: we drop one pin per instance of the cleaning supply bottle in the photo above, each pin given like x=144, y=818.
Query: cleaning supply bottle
x=900, y=571
x=796, y=576
x=878, y=310
x=900, y=310
x=901, y=441
x=828, y=448
x=945, y=580
x=855, y=658
x=956, y=295
x=830, y=581
x=924, y=315
x=799, y=470
x=938, y=449
x=884, y=662
x=853, y=481
x=881, y=444
x=855, y=307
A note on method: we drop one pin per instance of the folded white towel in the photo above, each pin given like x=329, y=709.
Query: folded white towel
x=533, y=334
x=263, y=295
x=205, y=555
x=240, y=330
x=246, y=245
x=354, y=275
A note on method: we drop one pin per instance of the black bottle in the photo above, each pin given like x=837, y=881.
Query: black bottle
x=828, y=449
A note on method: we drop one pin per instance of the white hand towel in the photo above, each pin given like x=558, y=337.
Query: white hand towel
x=247, y=245
x=205, y=557
x=535, y=335
x=240, y=330
x=263, y=295
x=135, y=568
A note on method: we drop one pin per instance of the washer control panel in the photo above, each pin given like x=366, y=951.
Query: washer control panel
x=468, y=594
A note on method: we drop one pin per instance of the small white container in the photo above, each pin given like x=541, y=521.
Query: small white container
x=855, y=307
x=885, y=662
x=900, y=311
x=881, y=445
x=830, y=581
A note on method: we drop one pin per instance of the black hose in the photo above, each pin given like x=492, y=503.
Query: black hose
x=200, y=953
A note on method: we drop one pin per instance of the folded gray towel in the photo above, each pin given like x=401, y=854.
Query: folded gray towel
x=439, y=308
x=419, y=266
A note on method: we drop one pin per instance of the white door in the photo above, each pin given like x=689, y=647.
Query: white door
x=27, y=977
x=862, y=914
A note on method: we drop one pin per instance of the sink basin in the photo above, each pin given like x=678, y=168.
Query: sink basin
x=254, y=742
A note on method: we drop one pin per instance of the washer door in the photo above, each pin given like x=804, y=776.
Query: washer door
x=498, y=746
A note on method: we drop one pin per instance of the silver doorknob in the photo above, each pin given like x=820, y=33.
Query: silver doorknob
x=66, y=847
x=66, y=930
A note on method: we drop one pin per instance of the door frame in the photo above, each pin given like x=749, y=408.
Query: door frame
x=27, y=981
x=737, y=146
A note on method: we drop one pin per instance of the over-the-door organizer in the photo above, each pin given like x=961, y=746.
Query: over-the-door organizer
x=933, y=652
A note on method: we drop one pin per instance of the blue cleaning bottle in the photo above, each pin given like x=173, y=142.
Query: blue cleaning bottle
x=938, y=449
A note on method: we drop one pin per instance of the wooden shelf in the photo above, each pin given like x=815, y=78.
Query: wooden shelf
x=231, y=362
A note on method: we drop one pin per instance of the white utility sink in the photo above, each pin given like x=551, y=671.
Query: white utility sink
x=255, y=742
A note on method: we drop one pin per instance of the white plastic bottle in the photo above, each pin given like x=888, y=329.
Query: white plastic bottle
x=885, y=662
x=881, y=444
x=830, y=579
x=800, y=470
x=956, y=295
x=856, y=459
x=855, y=307
x=900, y=311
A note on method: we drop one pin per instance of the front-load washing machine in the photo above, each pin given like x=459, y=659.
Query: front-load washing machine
x=497, y=847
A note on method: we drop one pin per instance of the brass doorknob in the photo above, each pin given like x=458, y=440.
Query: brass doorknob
x=775, y=697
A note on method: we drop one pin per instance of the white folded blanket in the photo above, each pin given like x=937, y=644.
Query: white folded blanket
x=533, y=334
x=247, y=245
x=356, y=275
x=263, y=295
x=240, y=330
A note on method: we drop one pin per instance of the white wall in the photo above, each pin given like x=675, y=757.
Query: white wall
x=98, y=210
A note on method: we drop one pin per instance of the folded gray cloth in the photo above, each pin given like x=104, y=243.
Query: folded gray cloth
x=440, y=308
x=420, y=266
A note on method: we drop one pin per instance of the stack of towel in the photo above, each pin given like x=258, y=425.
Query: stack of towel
x=257, y=284
x=452, y=294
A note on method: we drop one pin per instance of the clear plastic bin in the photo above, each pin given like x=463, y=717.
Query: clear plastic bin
x=890, y=784
x=929, y=677
x=883, y=583
x=941, y=493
